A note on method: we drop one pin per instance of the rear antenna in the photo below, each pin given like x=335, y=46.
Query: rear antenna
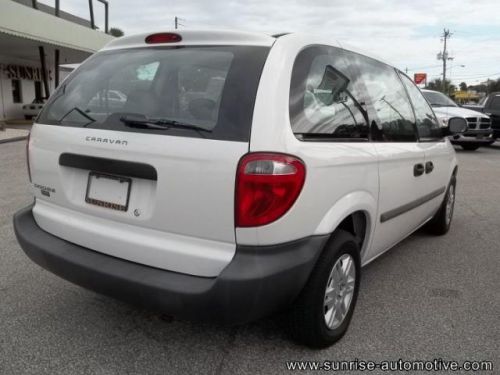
x=177, y=22
x=280, y=34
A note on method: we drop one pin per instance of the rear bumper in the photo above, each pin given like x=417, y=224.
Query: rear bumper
x=259, y=280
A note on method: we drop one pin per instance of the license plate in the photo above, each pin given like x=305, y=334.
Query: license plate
x=108, y=191
x=480, y=136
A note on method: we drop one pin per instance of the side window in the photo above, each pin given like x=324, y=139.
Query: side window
x=427, y=124
x=113, y=96
x=495, y=102
x=390, y=112
x=324, y=103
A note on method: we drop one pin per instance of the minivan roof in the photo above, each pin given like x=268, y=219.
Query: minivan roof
x=233, y=37
x=197, y=37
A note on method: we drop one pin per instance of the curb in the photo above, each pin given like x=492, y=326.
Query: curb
x=15, y=139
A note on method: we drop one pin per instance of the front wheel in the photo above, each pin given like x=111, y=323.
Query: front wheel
x=441, y=222
x=323, y=310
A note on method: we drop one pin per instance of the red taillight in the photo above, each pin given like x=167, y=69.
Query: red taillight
x=267, y=185
x=163, y=38
x=28, y=155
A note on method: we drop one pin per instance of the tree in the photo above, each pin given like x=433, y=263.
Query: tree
x=490, y=85
x=437, y=85
x=116, y=32
x=463, y=86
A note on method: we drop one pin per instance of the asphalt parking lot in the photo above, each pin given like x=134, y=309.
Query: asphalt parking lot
x=430, y=297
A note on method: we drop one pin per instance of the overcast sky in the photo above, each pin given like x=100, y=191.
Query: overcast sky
x=404, y=33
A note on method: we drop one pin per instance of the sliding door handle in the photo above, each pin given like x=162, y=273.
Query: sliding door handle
x=429, y=167
x=418, y=169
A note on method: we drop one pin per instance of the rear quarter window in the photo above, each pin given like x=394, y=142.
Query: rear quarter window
x=339, y=95
x=324, y=100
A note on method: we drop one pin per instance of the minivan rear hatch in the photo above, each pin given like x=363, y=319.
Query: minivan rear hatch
x=135, y=154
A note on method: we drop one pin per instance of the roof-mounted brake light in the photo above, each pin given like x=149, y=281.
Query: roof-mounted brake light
x=163, y=38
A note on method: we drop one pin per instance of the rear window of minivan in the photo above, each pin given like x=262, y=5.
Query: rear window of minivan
x=211, y=89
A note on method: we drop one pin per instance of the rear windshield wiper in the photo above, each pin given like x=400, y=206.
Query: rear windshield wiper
x=160, y=123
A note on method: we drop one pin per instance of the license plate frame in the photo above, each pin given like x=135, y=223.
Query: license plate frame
x=117, y=206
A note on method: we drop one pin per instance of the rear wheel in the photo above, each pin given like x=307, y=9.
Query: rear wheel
x=441, y=222
x=472, y=147
x=323, y=310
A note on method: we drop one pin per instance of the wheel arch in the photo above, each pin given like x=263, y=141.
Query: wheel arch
x=354, y=213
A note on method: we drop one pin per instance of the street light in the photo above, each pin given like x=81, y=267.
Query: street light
x=452, y=66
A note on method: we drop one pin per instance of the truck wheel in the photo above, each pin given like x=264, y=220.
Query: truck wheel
x=441, y=222
x=322, y=312
x=472, y=147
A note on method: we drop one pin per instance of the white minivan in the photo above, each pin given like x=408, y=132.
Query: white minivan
x=239, y=175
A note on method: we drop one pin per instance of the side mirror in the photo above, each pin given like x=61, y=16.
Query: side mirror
x=456, y=125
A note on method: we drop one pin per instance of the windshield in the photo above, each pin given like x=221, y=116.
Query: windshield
x=437, y=99
x=211, y=88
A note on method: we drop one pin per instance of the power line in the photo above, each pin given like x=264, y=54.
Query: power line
x=423, y=67
x=478, y=76
x=471, y=75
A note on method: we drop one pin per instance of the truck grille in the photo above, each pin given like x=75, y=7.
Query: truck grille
x=473, y=122
x=485, y=123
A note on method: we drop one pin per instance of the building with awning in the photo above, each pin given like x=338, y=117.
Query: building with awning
x=35, y=40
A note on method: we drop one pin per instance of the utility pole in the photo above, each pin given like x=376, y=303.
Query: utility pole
x=444, y=56
x=176, y=22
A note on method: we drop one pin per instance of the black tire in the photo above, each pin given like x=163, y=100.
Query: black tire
x=472, y=147
x=440, y=224
x=307, y=316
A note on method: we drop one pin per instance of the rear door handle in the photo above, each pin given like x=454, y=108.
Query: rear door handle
x=418, y=169
x=429, y=167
